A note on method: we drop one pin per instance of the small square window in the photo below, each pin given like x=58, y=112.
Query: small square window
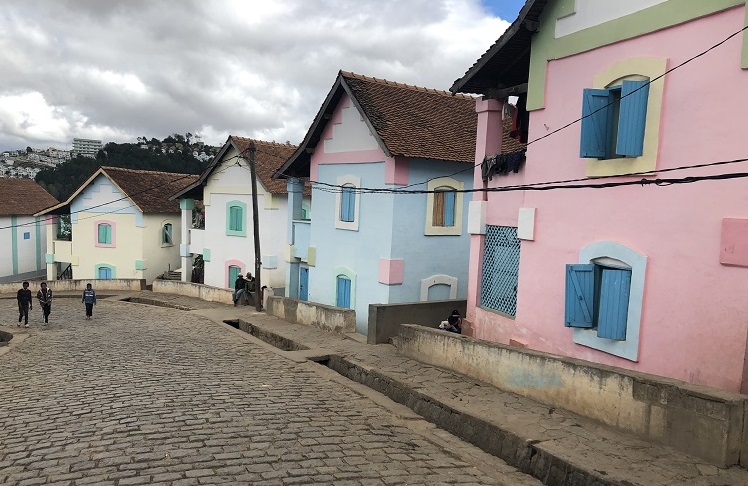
x=26, y=235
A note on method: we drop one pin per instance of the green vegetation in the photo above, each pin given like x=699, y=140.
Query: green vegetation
x=173, y=154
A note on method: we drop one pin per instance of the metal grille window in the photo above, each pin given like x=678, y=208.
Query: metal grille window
x=500, y=270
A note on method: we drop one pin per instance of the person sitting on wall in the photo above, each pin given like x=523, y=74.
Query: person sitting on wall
x=239, y=285
x=453, y=323
x=249, y=287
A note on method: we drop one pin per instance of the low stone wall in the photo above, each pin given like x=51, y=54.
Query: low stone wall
x=701, y=421
x=189, y=289
x=334, y=319
x=121, y=284
x=385, y=319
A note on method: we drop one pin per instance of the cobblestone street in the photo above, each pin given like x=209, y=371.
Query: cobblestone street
x=152, y=395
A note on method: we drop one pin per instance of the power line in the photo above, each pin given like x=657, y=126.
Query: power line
x=473, y=167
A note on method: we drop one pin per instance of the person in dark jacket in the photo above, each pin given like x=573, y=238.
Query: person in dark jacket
x=44, y=296
x=89, y=298
x=24, y=304
x=239, y=284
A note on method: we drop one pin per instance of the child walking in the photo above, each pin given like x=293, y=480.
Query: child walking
x=24, y=304
x=44, y=296
x=89, y=298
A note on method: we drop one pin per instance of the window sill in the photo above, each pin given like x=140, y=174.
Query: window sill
x=498, y=312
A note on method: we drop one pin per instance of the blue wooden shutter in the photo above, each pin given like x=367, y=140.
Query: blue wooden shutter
x=347, y=204
x=596, y=125
x=344, y=292
x=105, y=273
x=580, y=296
x=632, y=118
x=614, y=304
x=449, y=208
x=105, y=234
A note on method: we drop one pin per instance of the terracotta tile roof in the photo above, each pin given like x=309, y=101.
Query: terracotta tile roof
x=149, y=189
x=417, y=122
x=23, y=197
x=269, y=156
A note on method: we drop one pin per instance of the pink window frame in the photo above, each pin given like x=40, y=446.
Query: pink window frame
x=113, y=225
x=233, y=263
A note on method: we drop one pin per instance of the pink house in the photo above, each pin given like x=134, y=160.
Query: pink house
x=638, y=258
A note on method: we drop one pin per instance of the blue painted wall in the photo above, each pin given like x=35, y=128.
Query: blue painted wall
x=429, y=255
x=357, y=250
x=390, y=226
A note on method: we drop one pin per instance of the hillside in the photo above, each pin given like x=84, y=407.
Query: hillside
x=169, y=155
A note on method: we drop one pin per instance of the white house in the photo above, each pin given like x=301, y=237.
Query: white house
x=222, y=233
x=23, y=238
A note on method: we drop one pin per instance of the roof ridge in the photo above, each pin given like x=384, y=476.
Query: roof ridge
x=141, y=171
x=420, y=89
x=257, y=141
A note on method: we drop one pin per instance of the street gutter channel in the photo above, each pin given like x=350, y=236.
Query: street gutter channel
x=527, y=456
x=156, y=303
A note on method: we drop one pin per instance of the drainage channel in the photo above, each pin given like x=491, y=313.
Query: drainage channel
x=5, y=338
x=271, y=338
x=491, y=438
x=157, y=303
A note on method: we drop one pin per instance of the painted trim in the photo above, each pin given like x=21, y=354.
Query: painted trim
x=455, y=230
x=477, y=217
x=233, y=263
x=396, y=170
x=141, y=264
x=599, y=251
x=546, y=47
x=14, y=244
x=526, y=224
x=38, y=228
x=354, y=181
x=112, y=225
x=351, y=275
x=105, y=265
x=49, y=257
x=206, y=254
x=186, y=204
x=635, y=68
x=391, y=271
x=243, y=231
x=439, y=279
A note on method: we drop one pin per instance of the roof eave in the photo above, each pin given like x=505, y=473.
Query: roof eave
x=193, y=188
x=467, y=83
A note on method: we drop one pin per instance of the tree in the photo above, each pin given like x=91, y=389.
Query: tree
x=29, y=150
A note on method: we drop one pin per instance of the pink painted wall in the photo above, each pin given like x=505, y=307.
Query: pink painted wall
x=694, y=317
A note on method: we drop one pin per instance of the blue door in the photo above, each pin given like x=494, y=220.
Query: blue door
x=105, y=273
x=303, y=283
x=343, y=292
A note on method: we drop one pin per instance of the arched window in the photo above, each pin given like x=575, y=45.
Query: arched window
x=235, y=218
x=167, y=238
x=444, y=207
x=348, y=203
x=343, y=292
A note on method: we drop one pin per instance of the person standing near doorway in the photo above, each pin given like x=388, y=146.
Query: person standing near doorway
x=89, y=298
x=24, y=304
x=44, y=296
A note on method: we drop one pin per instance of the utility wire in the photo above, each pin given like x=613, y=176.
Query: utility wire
x=472, y=167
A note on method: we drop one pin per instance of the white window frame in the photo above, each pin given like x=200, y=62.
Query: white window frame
x=617, y=253
x=439, y=183
x=348, y=180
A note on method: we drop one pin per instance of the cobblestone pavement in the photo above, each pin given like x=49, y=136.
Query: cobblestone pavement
x=151, y=395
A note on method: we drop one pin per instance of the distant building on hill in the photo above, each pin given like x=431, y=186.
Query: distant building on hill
x=86, y=147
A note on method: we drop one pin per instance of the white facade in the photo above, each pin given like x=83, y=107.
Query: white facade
x=230, y=185
x=23, y=240
x=86, y=147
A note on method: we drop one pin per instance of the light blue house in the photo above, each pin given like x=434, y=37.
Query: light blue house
x=384, y=247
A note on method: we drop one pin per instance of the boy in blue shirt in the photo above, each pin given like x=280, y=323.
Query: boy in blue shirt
x=89, y=298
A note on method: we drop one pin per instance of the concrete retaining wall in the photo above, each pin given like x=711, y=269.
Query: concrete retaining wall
x=122, y=284
x=385, y=319
x=189, y=289
x=325, y=317
x=704, y=422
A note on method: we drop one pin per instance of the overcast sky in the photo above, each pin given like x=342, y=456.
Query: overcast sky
x=117, y=70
